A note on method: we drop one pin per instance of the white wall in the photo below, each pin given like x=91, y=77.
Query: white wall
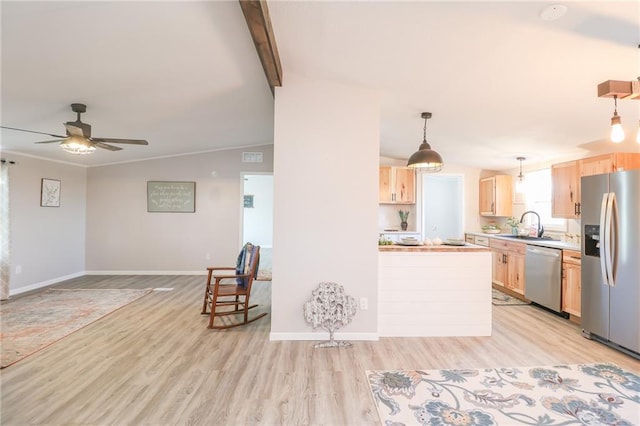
x=325, y=201
x=47, y=243
x=122, y=237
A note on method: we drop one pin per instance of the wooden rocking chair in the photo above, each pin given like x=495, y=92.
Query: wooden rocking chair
x=218, y=295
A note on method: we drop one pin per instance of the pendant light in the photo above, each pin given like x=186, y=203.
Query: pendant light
x=520, y=180
x=617, y=132
x=425, y=159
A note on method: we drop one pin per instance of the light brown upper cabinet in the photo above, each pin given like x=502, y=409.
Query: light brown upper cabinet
x=397, y=185
x=609, y=163
x=496, y=195
x=565, y=190
x=565, y=178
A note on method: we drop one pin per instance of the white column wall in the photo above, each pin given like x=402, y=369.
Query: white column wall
x=326, y=158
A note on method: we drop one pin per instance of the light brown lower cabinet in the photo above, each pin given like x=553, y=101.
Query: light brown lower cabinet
x=571, y=282
x=508, y=264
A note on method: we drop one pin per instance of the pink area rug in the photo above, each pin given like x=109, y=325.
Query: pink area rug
x=31, y=323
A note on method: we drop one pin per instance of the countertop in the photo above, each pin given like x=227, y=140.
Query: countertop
x=542, y=243
x=433, y=249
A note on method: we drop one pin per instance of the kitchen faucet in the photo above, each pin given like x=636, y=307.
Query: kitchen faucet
x=540, y=227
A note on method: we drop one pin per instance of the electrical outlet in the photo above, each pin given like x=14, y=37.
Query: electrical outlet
x=364, y=303
x=18, y=269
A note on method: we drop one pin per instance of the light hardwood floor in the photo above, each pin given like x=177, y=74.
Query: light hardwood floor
x=154, y=362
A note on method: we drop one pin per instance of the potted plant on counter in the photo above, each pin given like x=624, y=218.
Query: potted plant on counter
x=404, y=215
x=513, y=223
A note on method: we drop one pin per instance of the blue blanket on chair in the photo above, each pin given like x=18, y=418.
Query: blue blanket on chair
x=243, y=264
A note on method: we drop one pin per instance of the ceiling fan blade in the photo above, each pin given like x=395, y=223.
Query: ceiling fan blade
x=33, y=131
x=73, y=130
x=57, y=140
x=106, y=146
x=129, y=141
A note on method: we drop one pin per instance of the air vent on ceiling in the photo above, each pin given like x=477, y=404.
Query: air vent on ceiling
x=252, y=157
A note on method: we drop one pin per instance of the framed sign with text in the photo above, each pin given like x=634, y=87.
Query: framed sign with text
x=171, y=197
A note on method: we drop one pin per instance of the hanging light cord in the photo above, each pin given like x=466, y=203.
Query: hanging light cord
x=615, y=105
x=424, y=136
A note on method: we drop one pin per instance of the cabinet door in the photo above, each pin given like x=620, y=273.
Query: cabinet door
x=515, y=274
x=499, y=269
x=488, y=196
x=503, y=195
x=598, y=165
x=571, y=282
x=609, y=163
x=385, y=194
x=565, y=178
x=404, y=185
x=571, y=289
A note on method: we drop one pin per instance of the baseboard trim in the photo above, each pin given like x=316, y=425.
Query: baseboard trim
x=323, y=336
x=204, y=272
x=36, y=286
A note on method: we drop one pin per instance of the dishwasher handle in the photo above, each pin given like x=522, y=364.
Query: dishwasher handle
x=542, y=252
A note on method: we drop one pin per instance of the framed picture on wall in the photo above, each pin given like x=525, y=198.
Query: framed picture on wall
x=50, y=193
x=171, y=197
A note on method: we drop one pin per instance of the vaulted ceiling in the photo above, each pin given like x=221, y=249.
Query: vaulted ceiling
x=500, y=80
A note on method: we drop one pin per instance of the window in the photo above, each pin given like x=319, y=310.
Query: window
x=538, y=198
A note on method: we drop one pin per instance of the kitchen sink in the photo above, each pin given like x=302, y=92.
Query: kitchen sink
x=527, y=237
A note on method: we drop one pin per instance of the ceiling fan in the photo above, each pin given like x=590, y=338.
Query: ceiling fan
x=78, y=139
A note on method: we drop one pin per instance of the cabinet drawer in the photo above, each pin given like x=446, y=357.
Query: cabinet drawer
x=508, y=245
x=497, y=243
x=470, y=239
x=572, y=257
x=481, y=241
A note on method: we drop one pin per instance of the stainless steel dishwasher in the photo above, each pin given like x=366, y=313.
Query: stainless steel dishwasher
x=543, y=276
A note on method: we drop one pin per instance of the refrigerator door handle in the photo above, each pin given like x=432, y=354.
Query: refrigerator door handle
x=612, y=238
x=603, y=238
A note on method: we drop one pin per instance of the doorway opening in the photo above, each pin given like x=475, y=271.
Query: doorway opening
x=442, y=206
x=257, y=215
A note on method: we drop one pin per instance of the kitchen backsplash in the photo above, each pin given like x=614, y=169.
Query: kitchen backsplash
x=388, y=217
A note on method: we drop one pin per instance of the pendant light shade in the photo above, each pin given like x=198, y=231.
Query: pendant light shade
x=617, y=132
x=425, y=159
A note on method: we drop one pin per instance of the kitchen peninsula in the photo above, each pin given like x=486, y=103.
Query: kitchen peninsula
x=436, y=290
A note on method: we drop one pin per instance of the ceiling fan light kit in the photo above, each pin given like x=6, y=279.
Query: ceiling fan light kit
x=78, y=139
x=77, y=145
x=425, y=159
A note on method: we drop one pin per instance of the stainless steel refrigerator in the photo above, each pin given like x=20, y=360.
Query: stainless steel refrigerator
x=611, y=259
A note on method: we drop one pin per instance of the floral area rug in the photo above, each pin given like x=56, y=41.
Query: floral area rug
x=500, y=298
x=589, y=394
x=34, y=322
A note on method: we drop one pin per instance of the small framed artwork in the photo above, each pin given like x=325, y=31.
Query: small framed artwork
x=50, y=193
x=248, y=201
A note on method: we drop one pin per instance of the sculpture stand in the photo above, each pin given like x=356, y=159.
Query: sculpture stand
x=331, y=309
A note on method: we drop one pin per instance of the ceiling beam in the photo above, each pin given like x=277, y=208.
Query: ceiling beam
x=256, y=14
